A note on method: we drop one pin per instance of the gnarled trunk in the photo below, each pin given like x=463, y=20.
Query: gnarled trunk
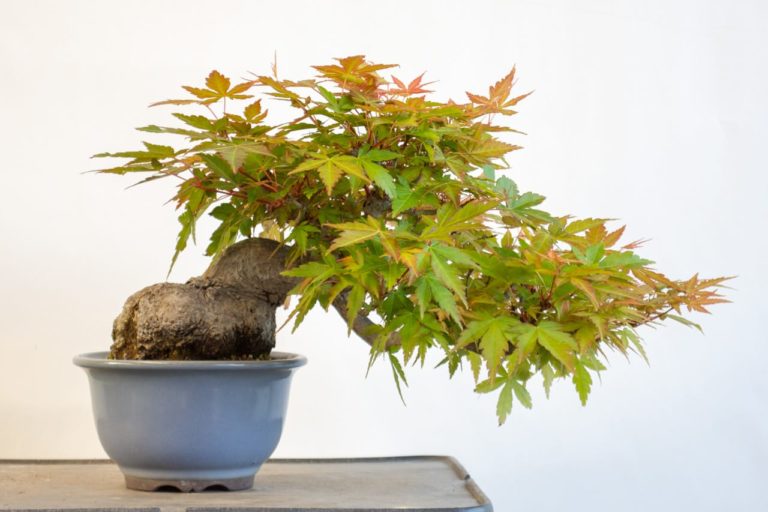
x=227, y=313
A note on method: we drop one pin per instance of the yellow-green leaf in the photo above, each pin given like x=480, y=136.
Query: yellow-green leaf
x=494, y=345
x=583, y=382
x=504, y=403
x=350, y=165
x=558, y=343
x=353, y=233
x=329, y=174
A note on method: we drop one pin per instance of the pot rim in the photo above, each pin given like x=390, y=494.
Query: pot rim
x=284, y=361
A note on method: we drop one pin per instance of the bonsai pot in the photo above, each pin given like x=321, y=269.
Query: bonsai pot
x=189, y=425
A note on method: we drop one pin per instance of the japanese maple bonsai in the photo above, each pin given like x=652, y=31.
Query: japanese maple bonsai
x=379, y=201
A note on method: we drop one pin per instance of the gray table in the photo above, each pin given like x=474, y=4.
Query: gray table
x=415, y=484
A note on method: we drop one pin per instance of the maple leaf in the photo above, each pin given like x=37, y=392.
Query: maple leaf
x=414, y=87
x=355, y=73
x=498, y=100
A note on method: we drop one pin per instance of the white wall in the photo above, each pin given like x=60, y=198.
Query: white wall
x=651, y=112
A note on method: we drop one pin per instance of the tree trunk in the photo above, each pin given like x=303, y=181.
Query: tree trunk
x=227, y=313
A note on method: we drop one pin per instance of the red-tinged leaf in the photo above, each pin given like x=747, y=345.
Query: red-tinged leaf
x=514, y=101
x=613, y=237
x=217, y=82
x=414, y=87
x=499, y=91
x=475, y=98
x=635, y=244
x=596, y=234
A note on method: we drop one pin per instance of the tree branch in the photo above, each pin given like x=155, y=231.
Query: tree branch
x=362, y=324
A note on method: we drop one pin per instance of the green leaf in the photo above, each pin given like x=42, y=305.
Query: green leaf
x=526, y=341
x=381, y=155
x=329, y=97
x=448, y=276
x=455, y=255
x=626, y=259
x=522, y=394
x=594, y=253
x=158, y=151
x=200, y=122
x=399, y=374
x=494, y=345
x=355, y=299
x=381, y=177
x=329, y=174
x=187, y=220
x=583, y=382
x=684, y=321
x=405, y=198
x=578, y=226
x=548, y=373
x=351, y=166
x=475, y=362
x=444, y=299
x=585, y=336
x=489, y=385
x=235, y=153
x=558, y=343
x=506, y=187
x=311, y=269
x=308, y=165
x=353, y=233
x=218, y=165
x=474, y=330
x=504, y=403
x=423, y=295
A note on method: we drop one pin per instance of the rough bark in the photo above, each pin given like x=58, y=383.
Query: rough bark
x=227, y=313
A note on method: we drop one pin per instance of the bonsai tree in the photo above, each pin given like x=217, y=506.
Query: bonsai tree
x=386, y=206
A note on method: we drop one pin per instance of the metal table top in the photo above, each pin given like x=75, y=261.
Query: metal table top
x=388, y=484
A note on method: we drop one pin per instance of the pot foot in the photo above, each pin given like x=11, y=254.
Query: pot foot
x=224, y=484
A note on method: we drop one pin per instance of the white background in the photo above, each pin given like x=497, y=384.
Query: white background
x=653, y=112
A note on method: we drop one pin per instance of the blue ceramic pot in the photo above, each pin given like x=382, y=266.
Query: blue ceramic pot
x=189, y=425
